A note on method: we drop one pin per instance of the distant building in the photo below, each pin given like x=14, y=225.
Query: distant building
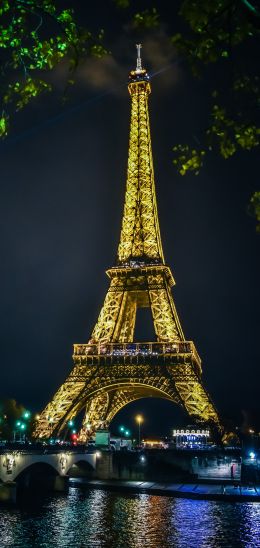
x=191, y=436
x=154, y=444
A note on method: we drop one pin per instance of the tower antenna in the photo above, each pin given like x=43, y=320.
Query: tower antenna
x=138, y=60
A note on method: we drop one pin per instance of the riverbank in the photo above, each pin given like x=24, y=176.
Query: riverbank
x=204, y=491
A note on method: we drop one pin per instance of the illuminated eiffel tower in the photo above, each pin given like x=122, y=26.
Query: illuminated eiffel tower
x=113, y=369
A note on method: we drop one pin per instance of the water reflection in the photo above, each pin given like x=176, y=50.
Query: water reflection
x=99, y=519
x=250, y=521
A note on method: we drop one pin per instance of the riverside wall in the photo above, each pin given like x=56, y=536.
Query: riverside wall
x=169, y=465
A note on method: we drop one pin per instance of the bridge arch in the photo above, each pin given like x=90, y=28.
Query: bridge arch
x=81, y=468
x=37, y=474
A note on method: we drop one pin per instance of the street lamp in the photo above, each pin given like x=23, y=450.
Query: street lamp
x=122, y=431
x=22, y=430
x=17, y=425
x=139, y=419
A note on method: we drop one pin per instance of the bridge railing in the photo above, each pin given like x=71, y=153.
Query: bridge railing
x=137, y=349
x=46, y=450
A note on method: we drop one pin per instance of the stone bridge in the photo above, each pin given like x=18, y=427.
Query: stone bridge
x=14, y=463
x=43, y=467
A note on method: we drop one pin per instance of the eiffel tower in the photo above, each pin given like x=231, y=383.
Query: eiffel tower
x=112, y=369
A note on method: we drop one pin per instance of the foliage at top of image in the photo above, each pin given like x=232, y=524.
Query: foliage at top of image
x=223, y=33
x=35, y=35
x=147, y=19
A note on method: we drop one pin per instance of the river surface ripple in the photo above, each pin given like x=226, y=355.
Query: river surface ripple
x=102, y=519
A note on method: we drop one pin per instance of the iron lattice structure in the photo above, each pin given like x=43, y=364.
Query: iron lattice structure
x=113, y=370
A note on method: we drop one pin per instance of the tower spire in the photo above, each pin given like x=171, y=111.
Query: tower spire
x=139, y=67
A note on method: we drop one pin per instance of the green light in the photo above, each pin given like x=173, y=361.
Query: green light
x=27, y=414
x=70, y=423
x=23, y=426
x=122, y=428
x=18, y=423
x=127, y=433
x=74, y=431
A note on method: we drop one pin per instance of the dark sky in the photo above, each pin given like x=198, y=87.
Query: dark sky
x=63, y=171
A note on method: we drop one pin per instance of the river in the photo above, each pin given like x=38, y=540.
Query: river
x=100, y=519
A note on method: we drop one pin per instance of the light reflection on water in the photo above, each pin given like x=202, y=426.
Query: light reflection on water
x=100, y=519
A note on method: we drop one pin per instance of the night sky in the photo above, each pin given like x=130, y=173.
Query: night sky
x=63, y=172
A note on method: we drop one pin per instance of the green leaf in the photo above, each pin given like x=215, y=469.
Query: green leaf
x=254, y=208
x=3, y=125
x=147, y=19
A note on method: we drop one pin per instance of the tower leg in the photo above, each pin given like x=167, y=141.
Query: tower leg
x=124, y=331
x=166, y=322
x=194, y=397
x=110, y=312
x=66, y=403
x=95, y=415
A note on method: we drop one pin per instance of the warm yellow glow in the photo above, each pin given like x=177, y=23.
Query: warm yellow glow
x=140, y=260
x=111, y=371
x=140, y=234
x=153, y=443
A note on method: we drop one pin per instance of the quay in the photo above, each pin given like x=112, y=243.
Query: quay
x=204, y=491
